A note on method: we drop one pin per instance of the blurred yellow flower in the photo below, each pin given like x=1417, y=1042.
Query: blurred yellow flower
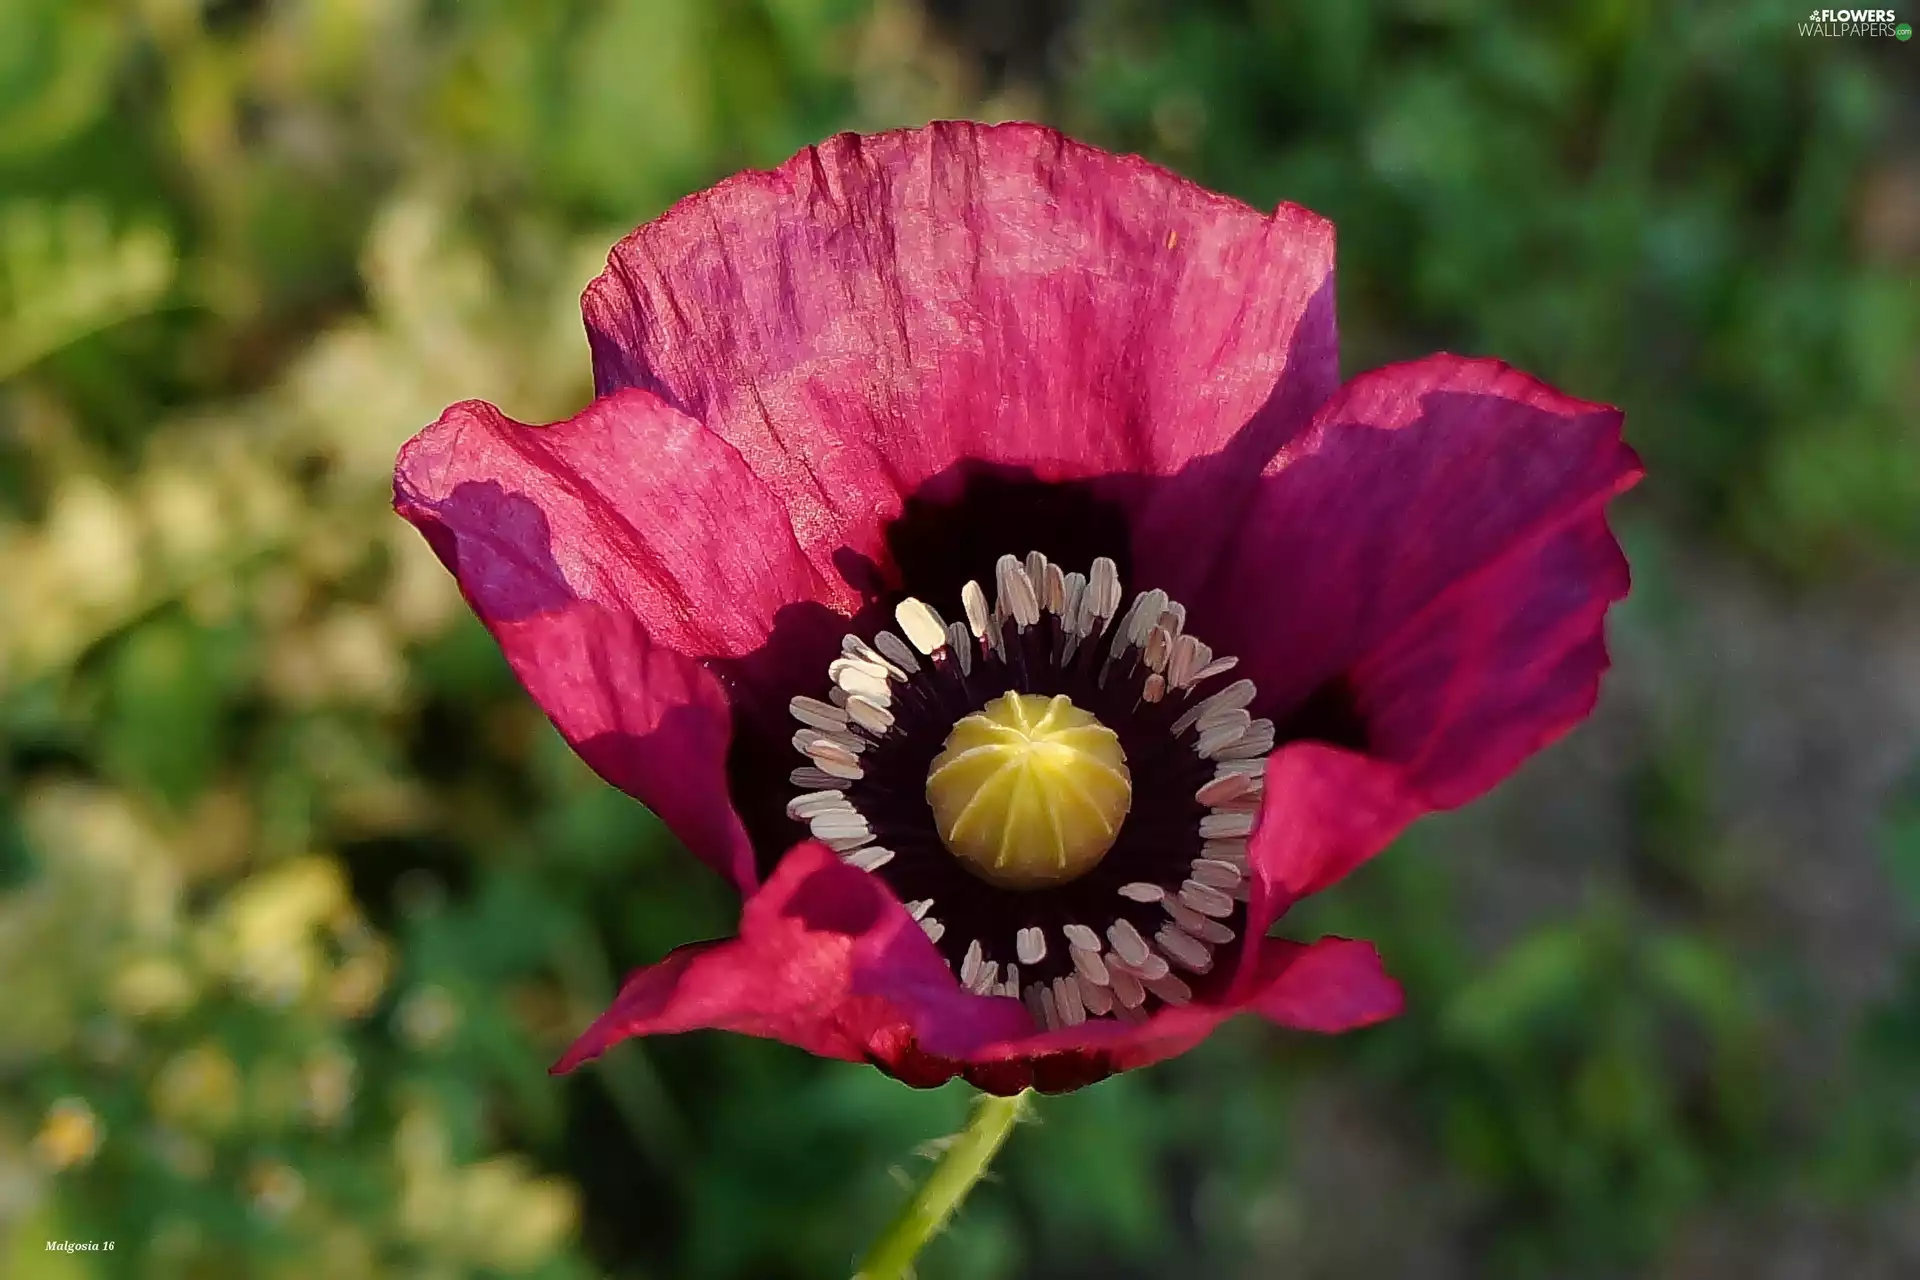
x=517, y=1219
x=358, y=653
x=328, y=1081
x=92, y=548
x=428, y=1016
x=495, y=1213
x=198, y=1089
x=275, y=1188
x=97, y=843
x=356, y=986
x=152, y=987
x=220, y=835
x=69, y=1136
x=183, y=513
x=186, y=1156
x=350, y=655
x=265, y=936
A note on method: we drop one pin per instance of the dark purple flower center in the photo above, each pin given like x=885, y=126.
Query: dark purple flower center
x=1170, y=887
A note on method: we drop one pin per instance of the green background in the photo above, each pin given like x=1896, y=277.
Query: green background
x=299, y=895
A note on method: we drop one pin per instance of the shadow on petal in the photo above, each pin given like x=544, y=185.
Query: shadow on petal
x=609, y=585
x=826, y=960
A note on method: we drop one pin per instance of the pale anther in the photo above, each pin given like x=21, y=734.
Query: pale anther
x=1127, y=942
x=1223, y=734
x=808, y=803
x=1066, y=999
x=1078, y=935
x=1016, y=591
x=896, y=651
x=1184, y=949
x=853, y=647
x=1221, y=875
x=1031, y=945
x=1202, y=927
x=1221, y=789
x=923, y=626
x=1153, y=966
x=845, y=769
x=1090, y=965
x=1218, y=667
x=960, y=646
x=1206, y=899
x=1238, y=694
x=816, y=714
x=1226, y=824
x=974, y=601
x=1036, y=567
x=869, y=714
x=1170, y=989
x=1256, y=741
x=1234, y=851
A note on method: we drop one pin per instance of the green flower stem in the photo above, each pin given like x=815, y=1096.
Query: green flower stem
x=962, y=1164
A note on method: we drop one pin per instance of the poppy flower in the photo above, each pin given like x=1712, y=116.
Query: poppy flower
x=972, y=553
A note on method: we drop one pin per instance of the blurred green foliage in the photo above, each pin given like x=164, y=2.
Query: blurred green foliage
x=1682, y=204
x=298, y=895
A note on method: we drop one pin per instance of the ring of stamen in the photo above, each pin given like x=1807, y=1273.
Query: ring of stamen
x=1119, y=910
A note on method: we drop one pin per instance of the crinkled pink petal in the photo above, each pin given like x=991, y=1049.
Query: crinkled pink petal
x=1328, y=986
x=1334, y=985
x=1436, y=539
x=608, y=555
x=826, y=960
x=879, y=308
x=1324, y=812
x=1498, y=666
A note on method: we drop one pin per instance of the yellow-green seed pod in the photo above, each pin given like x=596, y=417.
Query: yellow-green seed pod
x=1029, y=792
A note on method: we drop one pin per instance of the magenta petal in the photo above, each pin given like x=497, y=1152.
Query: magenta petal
x=826, y=960
x=1334, y=985
x=1436, y=541
x=1118, y=1046
x=1325, y=811
x=1498, y=666
x=608, y=555
x=1331, y=985
x=879, y=308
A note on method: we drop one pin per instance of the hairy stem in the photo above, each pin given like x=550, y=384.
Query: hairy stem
x=963, y=1163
